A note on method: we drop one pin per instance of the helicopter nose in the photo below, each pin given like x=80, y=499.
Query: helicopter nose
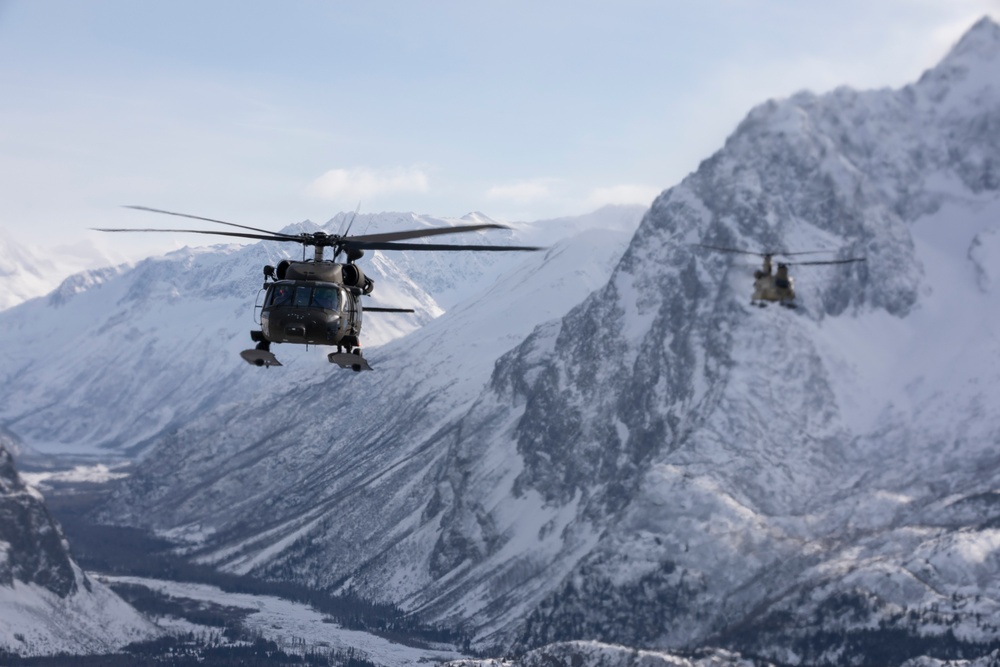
x=298, y=330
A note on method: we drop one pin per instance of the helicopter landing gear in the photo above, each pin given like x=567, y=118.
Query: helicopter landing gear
x=261, y=354
x=258, y=357
x=352, y=360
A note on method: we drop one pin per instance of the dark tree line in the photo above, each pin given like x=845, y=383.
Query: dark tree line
x=124, y=551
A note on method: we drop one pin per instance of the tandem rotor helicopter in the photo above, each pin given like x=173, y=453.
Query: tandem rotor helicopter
x=318, y=301
x=778, y=286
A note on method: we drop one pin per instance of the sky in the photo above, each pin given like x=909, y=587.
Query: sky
x=266, y=113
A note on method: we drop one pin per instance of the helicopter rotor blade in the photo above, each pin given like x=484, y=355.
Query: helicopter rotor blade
x=436, y=246
x=379, y=309
x=203, y=231
x=832, y=261
x=198, y=217
x=351, y=221
x=804, y=252
x=419, y=233
x=340, y=243
x=339, y=249
x=733, y=250
x=771, y=253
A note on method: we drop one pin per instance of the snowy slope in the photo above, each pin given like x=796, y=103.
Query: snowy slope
x=457, y=277
x=116, y=357
x=375, y=448
x=166, y=334
x=47, y=604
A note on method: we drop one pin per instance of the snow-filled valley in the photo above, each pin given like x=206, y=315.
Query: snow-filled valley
x=296, y=627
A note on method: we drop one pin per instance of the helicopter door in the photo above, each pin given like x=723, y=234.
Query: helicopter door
x=258, y=305
x=352, y=312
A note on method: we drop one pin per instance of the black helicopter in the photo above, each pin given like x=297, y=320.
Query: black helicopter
x=318, y=301
x=770, y=285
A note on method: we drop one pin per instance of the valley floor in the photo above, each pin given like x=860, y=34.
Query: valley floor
x=296, y=628
x=200, y=619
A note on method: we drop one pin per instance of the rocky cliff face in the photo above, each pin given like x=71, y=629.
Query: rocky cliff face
x=34, y=550
x=47, y=604
x=788, y=482
x=665, y=465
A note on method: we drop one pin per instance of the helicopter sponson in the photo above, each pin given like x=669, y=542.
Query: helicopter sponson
x=349, y=275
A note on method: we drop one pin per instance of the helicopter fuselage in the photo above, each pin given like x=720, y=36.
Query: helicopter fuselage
x=768, y=286
x=310, y=312
x=772, y=288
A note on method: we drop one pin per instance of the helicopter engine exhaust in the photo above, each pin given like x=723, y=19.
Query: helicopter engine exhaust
x=353, y=276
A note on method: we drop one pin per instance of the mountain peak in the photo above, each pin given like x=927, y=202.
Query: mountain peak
x=982, y=40
x=971, y=63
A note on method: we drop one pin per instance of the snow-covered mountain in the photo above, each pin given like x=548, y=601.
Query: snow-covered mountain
x=373, y=425
x=606, y=655
x=116, y=357
x=47, y=604
x=27, y=272
x=666, y=466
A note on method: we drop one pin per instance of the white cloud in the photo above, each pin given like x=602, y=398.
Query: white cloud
x=364, y=183
x=623, y=194
x=521, y=193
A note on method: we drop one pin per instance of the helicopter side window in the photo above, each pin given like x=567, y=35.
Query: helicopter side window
x=325, y=297
x=281, y=295
x=302, y=294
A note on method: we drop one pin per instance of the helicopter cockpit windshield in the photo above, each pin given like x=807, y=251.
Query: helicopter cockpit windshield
x=305, y=296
